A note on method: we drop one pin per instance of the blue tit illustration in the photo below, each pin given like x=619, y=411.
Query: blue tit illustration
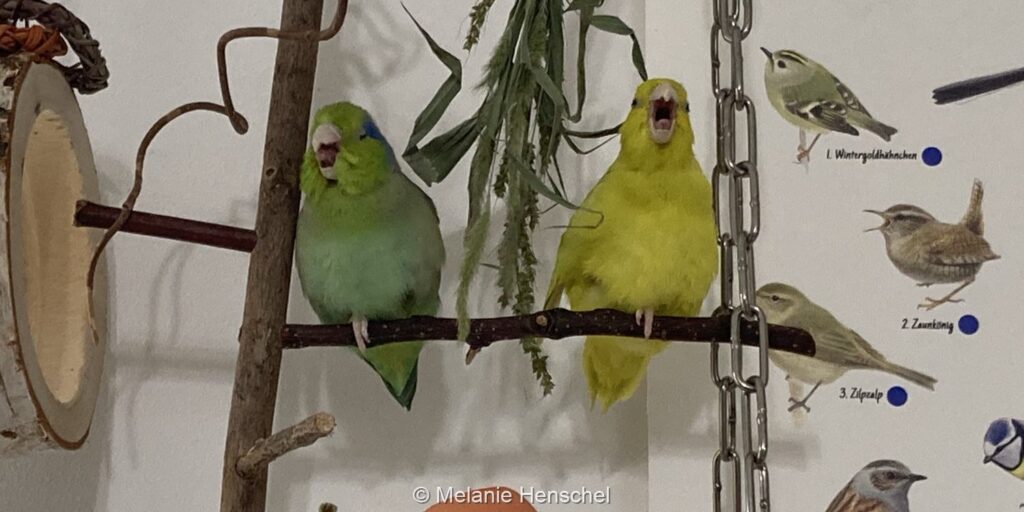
x=1004, y=445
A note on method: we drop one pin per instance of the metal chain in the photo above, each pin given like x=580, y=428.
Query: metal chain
x=741, y=429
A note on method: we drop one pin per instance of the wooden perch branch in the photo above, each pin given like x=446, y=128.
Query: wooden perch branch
x=300, y=435
x=551, y=324
x=92, y=215
x=258, y=367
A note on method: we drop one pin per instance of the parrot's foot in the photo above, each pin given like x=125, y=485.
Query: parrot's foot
x=471, y=355
x=361, y=330
x=645, y=317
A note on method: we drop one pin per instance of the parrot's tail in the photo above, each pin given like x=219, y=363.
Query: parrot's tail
x=615, y=366
x=925, y=381
x=397, y=364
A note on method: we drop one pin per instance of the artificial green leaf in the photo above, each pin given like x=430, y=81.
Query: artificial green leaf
x=616, y=26
x=548, y=86
x=585, y=13
x=538, y=185
x=578, y=5
x=611, y=24
x=423, y=163
x=435, y=160
x=597, y=134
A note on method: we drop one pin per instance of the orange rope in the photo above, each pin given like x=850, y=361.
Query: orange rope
x=35, y=39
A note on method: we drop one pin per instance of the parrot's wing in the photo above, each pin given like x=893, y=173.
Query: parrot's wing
x=959, y=247
x=555, y=290
x=824, y=113
x=578, y=240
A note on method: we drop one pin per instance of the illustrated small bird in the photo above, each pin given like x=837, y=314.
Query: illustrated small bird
x=1004, y=445
x=977, y=86
x=930, y=252
x=644, y=239
x=881, y=486
x=839, y=349
x=814, y=100
x=368, y=244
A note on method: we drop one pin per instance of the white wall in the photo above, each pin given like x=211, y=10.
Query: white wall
x=158, y=436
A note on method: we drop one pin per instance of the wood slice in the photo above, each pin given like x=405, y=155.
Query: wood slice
x=50, y=361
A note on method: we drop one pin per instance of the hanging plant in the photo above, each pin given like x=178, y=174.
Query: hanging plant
x=516, y=131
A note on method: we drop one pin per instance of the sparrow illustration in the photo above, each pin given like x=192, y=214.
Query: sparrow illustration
x=881, y=486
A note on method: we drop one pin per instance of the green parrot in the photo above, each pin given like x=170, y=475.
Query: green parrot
x=368, y=243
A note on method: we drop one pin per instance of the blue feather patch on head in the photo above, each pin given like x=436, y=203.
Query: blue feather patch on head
x=998, y=431
x=372, y=131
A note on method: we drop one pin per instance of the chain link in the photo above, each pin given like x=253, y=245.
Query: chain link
x=743, y=426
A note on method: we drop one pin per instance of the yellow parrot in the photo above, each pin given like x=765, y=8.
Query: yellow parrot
x=644, y=239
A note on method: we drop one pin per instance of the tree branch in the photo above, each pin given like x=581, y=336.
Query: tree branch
x=302, y=434
x=551, y=324
x=92, y=215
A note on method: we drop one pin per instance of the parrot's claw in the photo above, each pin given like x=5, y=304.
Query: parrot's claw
x=471, y=355
x=361, y=331
x=645, y=317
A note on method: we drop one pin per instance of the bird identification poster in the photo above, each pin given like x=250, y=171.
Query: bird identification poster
x=888, y=137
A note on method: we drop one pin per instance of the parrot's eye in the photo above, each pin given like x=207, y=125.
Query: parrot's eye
x=775, y=298
x=889, y=475
x=782, y=64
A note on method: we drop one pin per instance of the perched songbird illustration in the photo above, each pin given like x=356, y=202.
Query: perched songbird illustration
x=1004, y=445
x=814, y=100
x=931, y=252
x=644, y=239
x=881, y=486
x=368, y=245
x=977, y=86
x=839, y=349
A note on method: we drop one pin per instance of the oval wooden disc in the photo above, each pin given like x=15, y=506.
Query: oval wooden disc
x=50, y=362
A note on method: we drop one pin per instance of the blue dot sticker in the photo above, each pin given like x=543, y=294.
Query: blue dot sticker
x=931, y=156
x=968, y=324
x=897, y=396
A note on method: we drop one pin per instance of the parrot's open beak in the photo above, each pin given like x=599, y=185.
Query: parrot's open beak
x=326, y=144
x=661, y=114
x=880, y=214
